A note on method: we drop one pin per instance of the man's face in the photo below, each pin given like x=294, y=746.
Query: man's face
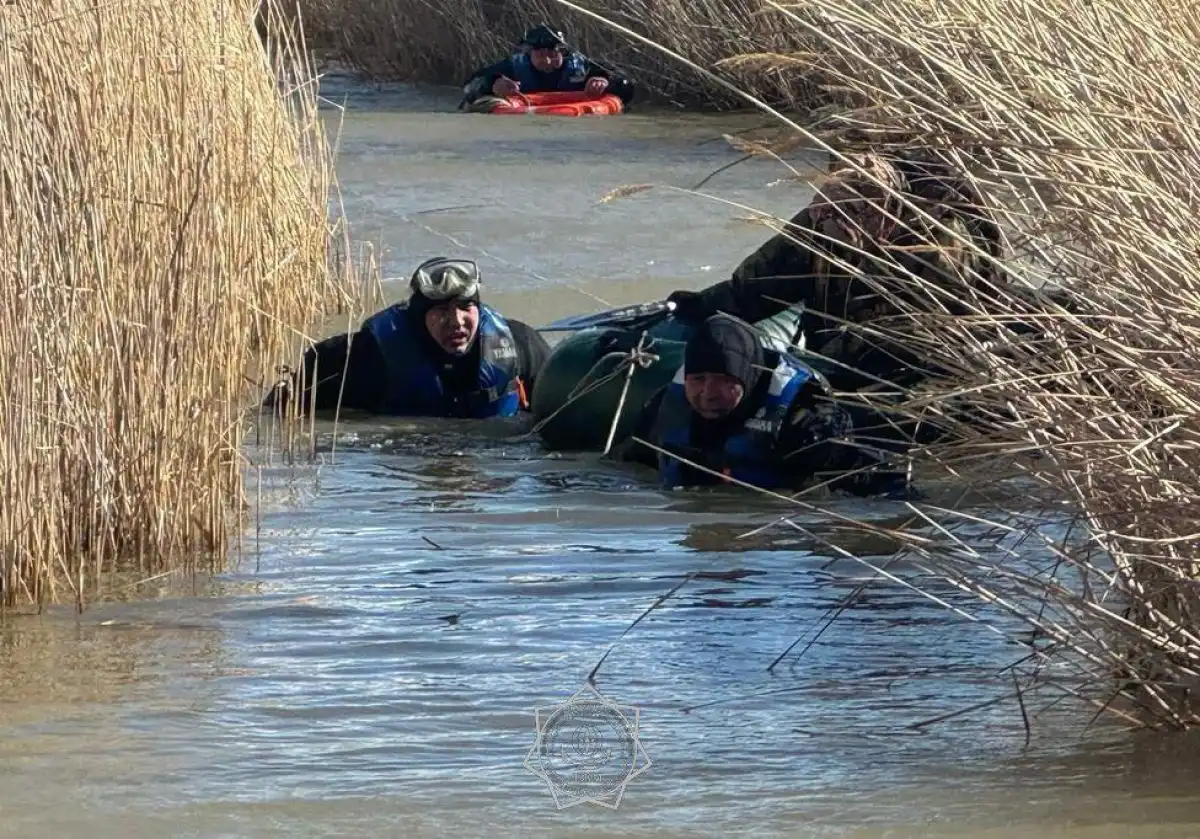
x=713, y=395
x=453, y=325
x=546, y=60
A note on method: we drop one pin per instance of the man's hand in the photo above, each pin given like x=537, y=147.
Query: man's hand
x=595, y=86
x=690, y=307
x=893, y=485
x=505, y=86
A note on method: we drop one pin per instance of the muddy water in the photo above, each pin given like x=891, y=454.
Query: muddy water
x=372, y=666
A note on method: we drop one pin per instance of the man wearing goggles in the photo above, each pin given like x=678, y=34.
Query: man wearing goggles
x=442, y=353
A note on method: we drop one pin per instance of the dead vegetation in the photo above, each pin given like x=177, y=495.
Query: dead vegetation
x=165, y=234
x=443, y=43
x=1075, y=123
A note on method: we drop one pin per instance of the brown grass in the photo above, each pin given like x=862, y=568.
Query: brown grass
x=164, y=234
x=426, y=41
x=1077, y=124
x=1075, y=120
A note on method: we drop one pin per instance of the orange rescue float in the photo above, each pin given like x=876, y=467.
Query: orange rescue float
x=559, y=103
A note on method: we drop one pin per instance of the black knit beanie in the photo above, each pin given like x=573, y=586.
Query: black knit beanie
x=722, y=344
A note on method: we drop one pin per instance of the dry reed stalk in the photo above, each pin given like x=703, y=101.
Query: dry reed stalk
x=163, y=230
x=421, y=40
x=1074, y=121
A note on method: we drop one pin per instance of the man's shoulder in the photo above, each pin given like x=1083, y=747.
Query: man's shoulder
x=514, y=324
x=797, y=229
x=520, y=329
x=386, y=315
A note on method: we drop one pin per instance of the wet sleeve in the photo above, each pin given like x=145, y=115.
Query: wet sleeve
x=532, y=351
x=619, y=85
x=779, y=274
x=818, y=443
x=594, y=68
x=481, y=81
x=813, y=438
x=340, y=368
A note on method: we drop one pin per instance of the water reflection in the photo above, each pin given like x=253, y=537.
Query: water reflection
x=372, y=665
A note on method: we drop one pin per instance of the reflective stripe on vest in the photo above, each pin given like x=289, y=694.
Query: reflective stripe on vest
x=749, y=455
x=414, y=388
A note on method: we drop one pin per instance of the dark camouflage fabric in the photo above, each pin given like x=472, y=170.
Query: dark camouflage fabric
x=856, y=256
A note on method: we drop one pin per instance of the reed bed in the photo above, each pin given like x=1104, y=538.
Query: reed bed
x=165, y=234
x=1074, y=125
x=443, y=43
x=1077, y=124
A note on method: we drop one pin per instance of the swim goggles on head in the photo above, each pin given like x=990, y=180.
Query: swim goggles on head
x=446, y=279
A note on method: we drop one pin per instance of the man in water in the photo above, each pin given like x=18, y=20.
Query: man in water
x=441, y=353
x=858, y=230
x=739, y=410
x=544, y=62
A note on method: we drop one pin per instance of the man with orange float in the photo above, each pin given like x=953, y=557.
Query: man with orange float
x=544, y=62
x=440, y=353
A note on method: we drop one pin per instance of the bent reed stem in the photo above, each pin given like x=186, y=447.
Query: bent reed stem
x=1073, y=123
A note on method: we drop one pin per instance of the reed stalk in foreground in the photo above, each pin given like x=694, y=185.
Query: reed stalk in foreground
x=163, y=231
x=1077, y=125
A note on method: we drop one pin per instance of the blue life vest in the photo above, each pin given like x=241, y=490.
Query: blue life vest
x=414, y=388
x=749, y=455
x=571, y=76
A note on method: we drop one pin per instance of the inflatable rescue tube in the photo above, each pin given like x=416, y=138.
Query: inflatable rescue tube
x=557, y=103
x=577, y=393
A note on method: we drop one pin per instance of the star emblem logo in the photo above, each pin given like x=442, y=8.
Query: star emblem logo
x=587, y=749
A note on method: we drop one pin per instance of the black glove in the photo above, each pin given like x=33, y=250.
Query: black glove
x=893, y=485
x=872, y=475
x=691, y=307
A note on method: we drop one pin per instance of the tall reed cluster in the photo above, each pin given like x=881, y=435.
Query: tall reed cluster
x=163, y=234
x=443, y=42
x=1077, y=122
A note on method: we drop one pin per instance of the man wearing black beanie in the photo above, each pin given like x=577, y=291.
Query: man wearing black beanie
x=739, y=410
x=443, y=352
